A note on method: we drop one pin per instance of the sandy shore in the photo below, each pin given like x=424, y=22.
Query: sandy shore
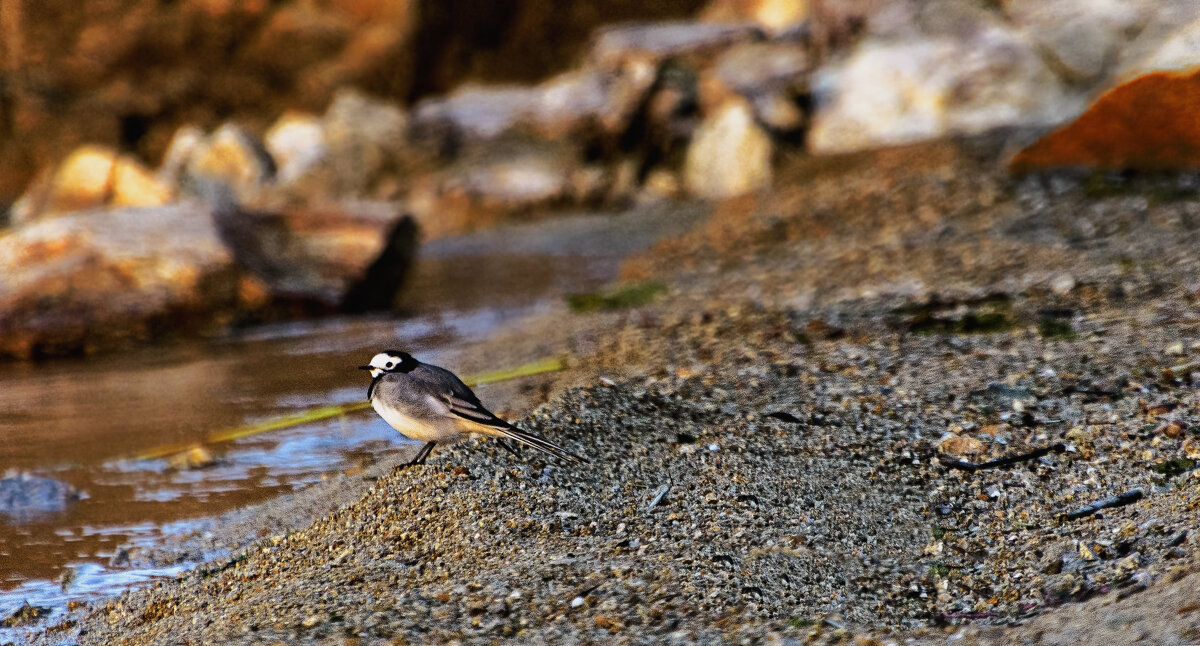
x=781, y=446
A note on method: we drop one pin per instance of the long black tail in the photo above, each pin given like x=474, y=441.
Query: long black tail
x=541, y=444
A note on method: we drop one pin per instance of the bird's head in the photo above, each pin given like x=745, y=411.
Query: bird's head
x=390, y=361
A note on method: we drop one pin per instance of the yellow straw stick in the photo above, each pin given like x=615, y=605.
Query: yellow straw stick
x=549, y=364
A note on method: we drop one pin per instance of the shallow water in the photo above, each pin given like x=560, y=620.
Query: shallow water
x=85, y=421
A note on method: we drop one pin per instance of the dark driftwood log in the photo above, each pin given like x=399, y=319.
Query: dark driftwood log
x=1119, y=500
x=1002, y=462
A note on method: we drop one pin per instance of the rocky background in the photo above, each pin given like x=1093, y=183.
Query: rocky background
x=175, y=168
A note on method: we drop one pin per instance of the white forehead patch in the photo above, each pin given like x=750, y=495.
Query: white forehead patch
x=384, y=360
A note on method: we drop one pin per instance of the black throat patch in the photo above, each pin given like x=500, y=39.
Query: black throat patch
x=405, y=363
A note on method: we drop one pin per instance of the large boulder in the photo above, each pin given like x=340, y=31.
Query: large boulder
x=93, y=280
x=495, y=184
x=1081, y=39
x=895, y=91
x=1145, y=122
x=1165, y=39
x=367, y=142
x=618, y=45
x=589, y=103
x=476, y=112
x=359, y=149
x=346, y=255
x=91, y=177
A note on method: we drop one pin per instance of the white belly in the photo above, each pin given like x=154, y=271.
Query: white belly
x=423, y=430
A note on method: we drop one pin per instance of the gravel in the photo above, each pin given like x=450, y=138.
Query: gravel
x=764, y=444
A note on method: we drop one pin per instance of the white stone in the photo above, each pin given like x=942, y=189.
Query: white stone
x=729, y=155
x=297, y=144
x=890, y=93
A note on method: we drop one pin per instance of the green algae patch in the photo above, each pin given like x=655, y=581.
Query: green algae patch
x=621, y=298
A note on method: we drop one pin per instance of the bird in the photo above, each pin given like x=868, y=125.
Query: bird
x=431, y=404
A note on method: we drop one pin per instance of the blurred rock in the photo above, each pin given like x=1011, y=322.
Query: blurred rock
x=1180, y=51
x=296, y=143
x=888, y=93
x=654, y=42
x=1062, y=284
x=98, y=279
x=135, y=185
x=91, y=177
x=590, y=101
x=232, y=156
x=762, y=68
x=494, y=184
x=773, y=76
x=729, y=154
x=184, y=144
x=599, y=100
x=81, y=181
x=1142, y=122
x=1145, y=124
x=128, y=74
x=836, y=25
x=367, y=142
x=314, y=257
x=660, y=184
x=773, y=15
x=1080, y=38
x=475, y=112
x=24, y=496
x=1159, y=41
x=196, y=457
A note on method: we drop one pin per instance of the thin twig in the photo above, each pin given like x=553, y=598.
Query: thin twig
x=1119, y=500
x=1002, y=462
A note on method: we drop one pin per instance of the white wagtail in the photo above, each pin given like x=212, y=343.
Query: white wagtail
x=432, y=405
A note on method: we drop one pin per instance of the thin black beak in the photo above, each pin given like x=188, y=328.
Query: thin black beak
x=365, y=367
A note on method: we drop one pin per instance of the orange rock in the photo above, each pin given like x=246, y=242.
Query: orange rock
x=775, y=15
x=84, y=180
x=1147, y=123
x=611, y=625
x=95, y=280
x=135, y=185
x=91, y=177
x=960, y=445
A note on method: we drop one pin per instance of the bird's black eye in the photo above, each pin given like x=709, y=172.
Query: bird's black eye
x=389, y=364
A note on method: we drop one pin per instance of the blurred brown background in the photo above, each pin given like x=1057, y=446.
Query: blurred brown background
x=128, y=73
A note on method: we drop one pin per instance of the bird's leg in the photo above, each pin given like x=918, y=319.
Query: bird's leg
x=421, y=456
